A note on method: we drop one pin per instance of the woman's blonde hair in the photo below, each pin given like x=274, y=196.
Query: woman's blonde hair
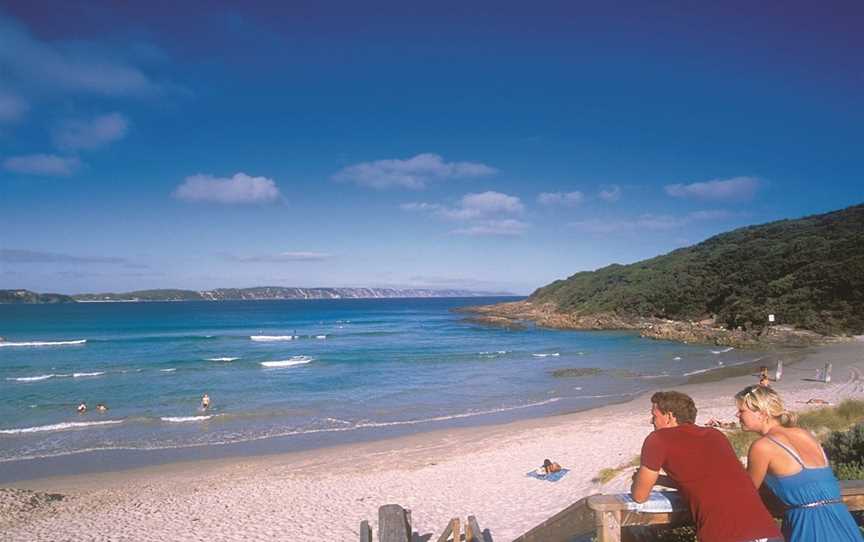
x=766, y=401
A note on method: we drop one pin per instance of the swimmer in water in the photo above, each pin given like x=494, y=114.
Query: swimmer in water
x=205, y=402
x=101, y=407
x=82, y=408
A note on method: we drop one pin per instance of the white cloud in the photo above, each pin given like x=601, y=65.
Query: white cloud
x=484, y=213
x=72, y=66
x=490, y=203
x=647, y=222
x=42, y=164
x=421, y=207
x=78, y=134
x=472, y=206
x=611, y=194
x=12, y=107
x=565, y=199
x=736, y=188
x=712, y=214
x=415, y=172
x=33, y=256
x=240, y=188
x=508, y=227
x=283, y=257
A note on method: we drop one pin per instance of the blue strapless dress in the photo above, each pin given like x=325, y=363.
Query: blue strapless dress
x=811, y=495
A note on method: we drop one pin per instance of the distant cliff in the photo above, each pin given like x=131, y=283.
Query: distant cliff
x=26, y=296
x=278, y=292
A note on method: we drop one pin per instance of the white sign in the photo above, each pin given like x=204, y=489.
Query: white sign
x=771, y=318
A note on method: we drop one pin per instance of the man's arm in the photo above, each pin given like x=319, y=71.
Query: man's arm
x=643, y=481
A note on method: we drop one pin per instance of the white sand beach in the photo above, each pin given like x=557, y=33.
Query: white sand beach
x=438, y=475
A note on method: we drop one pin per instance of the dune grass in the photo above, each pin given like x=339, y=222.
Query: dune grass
x=608, y=474
x=821, y=422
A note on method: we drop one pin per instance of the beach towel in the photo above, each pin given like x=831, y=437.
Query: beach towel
x=658, y=501
x=553, y=477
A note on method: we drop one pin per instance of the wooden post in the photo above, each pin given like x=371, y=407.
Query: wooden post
x=392, y=526
x=473, y=533
x=365, y=531
x=609, y=529
x=445, y=536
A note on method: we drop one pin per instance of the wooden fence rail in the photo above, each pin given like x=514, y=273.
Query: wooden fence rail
x=608, y=517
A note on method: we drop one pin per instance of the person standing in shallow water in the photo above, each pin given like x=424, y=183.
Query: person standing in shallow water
x=701, y=463
x=205, y=402
x=793, y=465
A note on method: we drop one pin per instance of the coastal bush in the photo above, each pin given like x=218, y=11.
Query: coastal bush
x=845, y=450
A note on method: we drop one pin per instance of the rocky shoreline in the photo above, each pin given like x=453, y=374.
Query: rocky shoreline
x=514, y=314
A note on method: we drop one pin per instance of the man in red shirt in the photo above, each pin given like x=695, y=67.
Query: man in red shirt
x=701, y=463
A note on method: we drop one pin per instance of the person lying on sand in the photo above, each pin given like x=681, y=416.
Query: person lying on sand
x=714, y=422
x=550, y=466
x=816, y=402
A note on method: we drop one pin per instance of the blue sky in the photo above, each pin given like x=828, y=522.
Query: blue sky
x=480, y=145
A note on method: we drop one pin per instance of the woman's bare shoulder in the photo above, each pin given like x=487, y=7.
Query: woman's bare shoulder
x=761, y=445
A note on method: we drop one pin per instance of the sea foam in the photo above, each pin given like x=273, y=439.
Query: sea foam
x=271, y=338
x=43, y=343
x=79, y=375
x=222, y=359
x=57, y=427
x=32, y=378
x=554, y=355
x=184, y=419
x=296, y=360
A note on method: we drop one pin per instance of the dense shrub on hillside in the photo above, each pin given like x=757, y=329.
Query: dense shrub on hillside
x=809, y=272
x=845, y=449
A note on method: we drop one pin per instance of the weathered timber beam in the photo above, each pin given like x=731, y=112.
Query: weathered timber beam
x=393, y=524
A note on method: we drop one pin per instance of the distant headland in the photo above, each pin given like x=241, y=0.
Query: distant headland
x=261, y=293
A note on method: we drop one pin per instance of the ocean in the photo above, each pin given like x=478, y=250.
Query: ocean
x=286, y=375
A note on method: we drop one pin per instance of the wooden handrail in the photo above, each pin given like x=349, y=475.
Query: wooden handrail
x=608, y=515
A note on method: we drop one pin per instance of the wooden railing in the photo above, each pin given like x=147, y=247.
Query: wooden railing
x=394, y=525
x=608, y=518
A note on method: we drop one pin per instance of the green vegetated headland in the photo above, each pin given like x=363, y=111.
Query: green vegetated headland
x=807, y=272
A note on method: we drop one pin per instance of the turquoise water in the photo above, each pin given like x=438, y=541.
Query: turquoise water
x=350, y=367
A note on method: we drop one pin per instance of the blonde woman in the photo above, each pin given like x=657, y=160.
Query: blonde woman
x=793, y=465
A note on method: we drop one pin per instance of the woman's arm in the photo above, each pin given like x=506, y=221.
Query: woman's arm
x=758, y=459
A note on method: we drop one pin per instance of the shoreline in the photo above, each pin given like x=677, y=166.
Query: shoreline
x=438, y=474
x=514, y=314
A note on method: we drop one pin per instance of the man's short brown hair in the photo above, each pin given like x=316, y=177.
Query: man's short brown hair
x=679, y=404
